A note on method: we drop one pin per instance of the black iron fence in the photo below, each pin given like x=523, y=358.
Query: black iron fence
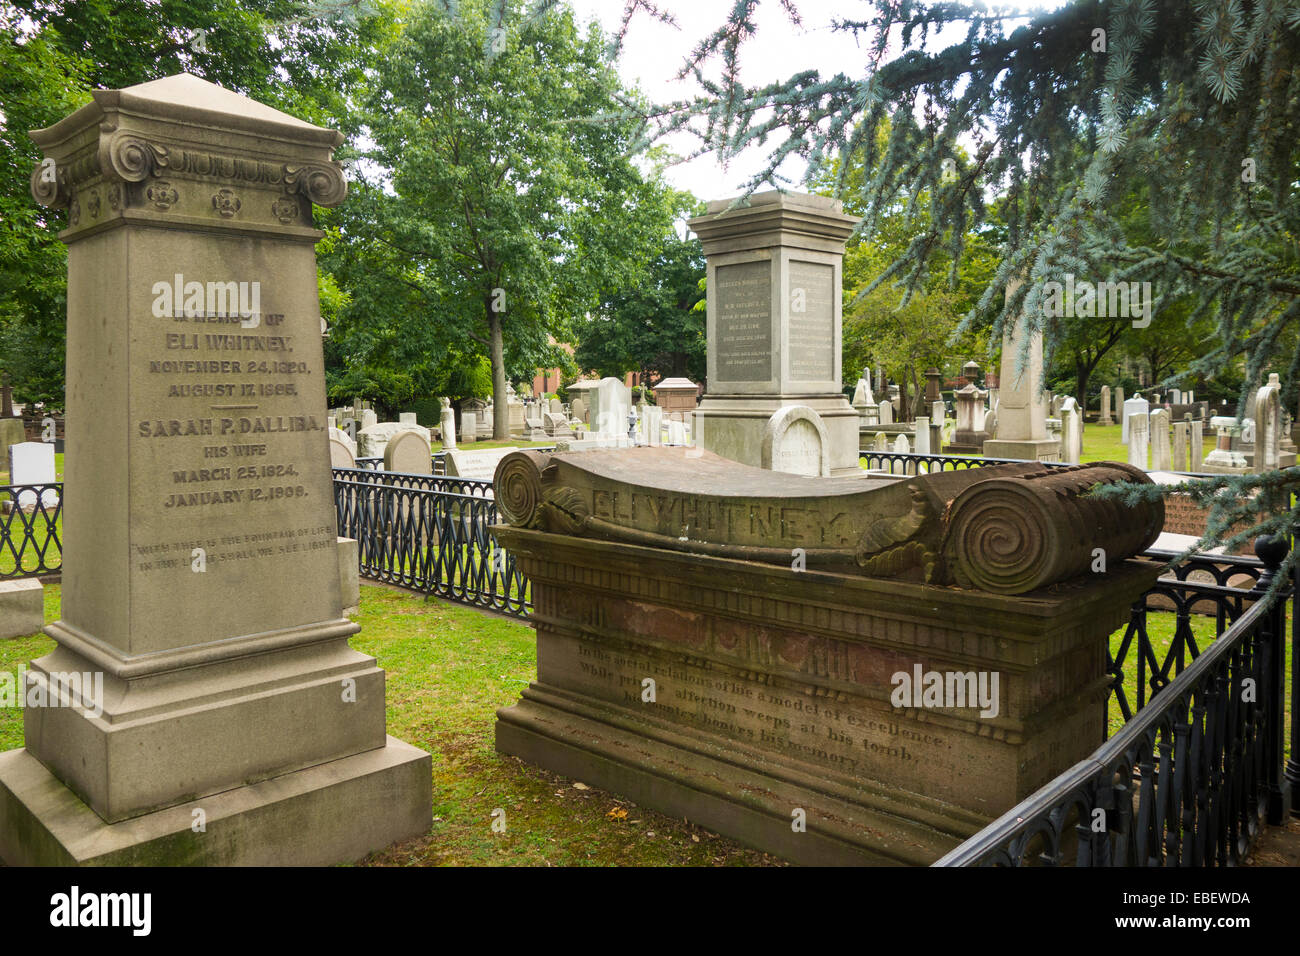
x=429, y=533
x=31, y=530
x=1197, y=766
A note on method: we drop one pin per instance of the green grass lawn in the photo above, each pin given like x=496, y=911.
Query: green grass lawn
x=449, y=668
x=1102, y=443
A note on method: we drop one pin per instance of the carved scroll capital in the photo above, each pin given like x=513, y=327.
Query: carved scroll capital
x=133, y=159
x=324, y=184
x=49, y=185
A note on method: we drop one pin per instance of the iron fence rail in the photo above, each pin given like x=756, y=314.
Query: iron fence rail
x=430, y=534
x=1183, y=783
x=31, y=530
x=1196, y=768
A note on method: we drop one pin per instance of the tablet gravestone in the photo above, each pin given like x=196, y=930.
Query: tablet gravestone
x=206, y=592
x=408, y=453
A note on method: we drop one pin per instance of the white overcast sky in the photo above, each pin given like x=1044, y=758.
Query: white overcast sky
x=655, y=51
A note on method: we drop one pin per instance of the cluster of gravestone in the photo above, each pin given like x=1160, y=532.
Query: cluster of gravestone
x=722, y=619
x=1165, y=433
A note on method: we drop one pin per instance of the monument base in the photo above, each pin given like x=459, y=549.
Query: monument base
x=1030, y=449
x=331, y=813
x=967, y=442
x=734, y=426
x=699, y=778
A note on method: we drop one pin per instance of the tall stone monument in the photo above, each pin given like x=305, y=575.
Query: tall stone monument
x=208, y=593
x=1022, y=413
x=774, y=318
x=1105, y=417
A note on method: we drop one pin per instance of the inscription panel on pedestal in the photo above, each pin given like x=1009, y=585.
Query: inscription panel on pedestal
x=811, y=355
x=230, y=491
x=743, y=336
x=849, y=735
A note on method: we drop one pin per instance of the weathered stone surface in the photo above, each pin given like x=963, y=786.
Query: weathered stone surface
x=475, y=464
x=774, y=325
x=1006, y=528
x=343, y=450
x=731, y=691
x=208, y=595
x=1138, y=439
x=796, y=441
x=11, y=433
x=1158, y=423
x=611, y=401
x=447, y=425
x=311, y=817
x=22, y=607
x=1022, y=412
x=557, y=425
x=349, y=574
x=32, y=463
x=971, y=434
x=1137, y=405
x=373, y=439
x=409, y=453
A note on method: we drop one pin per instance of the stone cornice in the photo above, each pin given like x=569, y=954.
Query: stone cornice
x=126, y=157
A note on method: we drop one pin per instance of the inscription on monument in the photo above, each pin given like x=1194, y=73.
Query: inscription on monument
x=744, y=322
x=220, y=427
x=811, y=355
x=798, y=450
x=850, y=734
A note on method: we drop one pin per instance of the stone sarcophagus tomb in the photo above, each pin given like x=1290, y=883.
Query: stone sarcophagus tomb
x=850, y=670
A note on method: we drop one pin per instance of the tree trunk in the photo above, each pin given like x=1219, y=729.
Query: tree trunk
x=500, y=411
x=1082, y=372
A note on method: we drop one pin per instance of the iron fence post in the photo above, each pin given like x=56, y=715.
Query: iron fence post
x=1292, y=775
x=1272, y=639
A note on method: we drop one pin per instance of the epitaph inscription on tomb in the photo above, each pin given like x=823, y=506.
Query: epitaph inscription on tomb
x=744, y=322
x=811, y=353
x=220, y=423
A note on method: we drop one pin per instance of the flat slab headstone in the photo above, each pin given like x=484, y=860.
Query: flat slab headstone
x=796, y=441
x=1133, y=406
x=475, y=464
x=343, y=450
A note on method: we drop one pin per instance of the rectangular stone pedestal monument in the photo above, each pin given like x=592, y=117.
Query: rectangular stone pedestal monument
x=200, y=568
x=689, y=663
x=774, y=335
